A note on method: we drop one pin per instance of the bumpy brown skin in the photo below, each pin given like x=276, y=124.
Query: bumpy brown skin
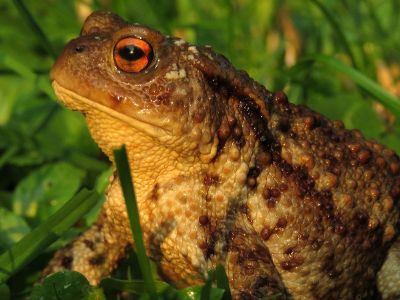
x=227, y=172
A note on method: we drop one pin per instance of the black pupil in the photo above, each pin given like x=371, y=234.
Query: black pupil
x=131, y=52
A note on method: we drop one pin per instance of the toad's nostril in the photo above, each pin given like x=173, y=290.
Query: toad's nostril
x=79, y=48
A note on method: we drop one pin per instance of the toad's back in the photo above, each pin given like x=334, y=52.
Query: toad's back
x=225, y=172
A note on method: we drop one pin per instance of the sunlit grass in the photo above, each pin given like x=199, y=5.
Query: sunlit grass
x=29, y=247
x=121, y=161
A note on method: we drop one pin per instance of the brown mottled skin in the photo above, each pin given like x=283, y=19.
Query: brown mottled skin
x=227, y=172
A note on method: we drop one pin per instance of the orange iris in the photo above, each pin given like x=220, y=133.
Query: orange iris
x=132, y=55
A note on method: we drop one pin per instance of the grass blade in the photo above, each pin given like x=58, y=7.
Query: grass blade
x=7, y=155
x=121, y=161
x=132, y=286
x=223, y=282
x=26, y=15
x=381, y=95
x=16, y=66
x=206, y=291
x=335, y=25
x=46, y=233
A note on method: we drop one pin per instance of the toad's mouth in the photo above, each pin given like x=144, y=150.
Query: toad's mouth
x=77, y=102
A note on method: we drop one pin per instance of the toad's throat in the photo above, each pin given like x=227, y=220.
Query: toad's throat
x=77, y=102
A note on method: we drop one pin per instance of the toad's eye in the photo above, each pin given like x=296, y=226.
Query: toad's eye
x=132, y=55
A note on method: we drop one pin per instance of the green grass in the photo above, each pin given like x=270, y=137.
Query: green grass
x=122, y=164
x=26, y=249
x=326, y=54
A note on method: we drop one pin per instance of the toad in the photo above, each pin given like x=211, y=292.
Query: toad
x=226, y=172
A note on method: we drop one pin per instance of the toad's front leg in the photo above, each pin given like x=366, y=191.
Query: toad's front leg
x=97, y=251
